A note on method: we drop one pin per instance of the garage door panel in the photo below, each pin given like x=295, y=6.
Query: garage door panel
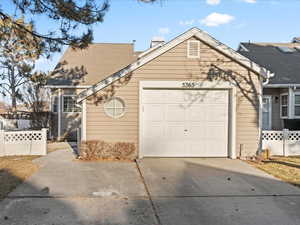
x=153, y=112
x=164, y=149
x=173, y=149
x=196, y=130
x=174, y=131
x=217, y=113
x=216, y=131
x=191, y=123
x=153, y=96
x=154, y=131
x=174, y=97
x=174, y=113
x=197, y=113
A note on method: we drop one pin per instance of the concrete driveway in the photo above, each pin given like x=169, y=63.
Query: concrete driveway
x=218, y=191
x=153, y=191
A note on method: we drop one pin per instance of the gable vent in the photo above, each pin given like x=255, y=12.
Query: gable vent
x=193, y=49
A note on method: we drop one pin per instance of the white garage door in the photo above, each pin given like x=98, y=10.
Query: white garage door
x=184, y=123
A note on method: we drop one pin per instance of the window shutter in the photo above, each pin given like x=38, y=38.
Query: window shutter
x=193, y=49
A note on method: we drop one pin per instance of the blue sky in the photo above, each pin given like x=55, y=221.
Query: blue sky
x=229, y=21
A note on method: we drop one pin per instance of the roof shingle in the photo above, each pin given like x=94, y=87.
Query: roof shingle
x=286, y=66
x=90, y=65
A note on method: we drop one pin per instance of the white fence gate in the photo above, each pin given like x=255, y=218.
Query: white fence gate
x=286, y=143
x=23, y=142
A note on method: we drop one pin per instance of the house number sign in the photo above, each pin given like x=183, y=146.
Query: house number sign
x=191, y=84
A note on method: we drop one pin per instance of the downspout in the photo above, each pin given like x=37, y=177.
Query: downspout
x=268, y=75
x=59, y=114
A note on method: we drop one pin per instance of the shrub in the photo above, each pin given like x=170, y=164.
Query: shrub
x=95, y=150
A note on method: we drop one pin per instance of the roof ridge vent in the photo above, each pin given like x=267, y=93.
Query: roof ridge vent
x=157, y=41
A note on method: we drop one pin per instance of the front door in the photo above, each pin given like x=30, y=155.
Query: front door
x=267, y=113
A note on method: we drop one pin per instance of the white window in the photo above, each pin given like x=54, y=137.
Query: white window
x=54, y=104
x=284, y=103
x=297, y=105
x=69, y=104
x=115, y=107
x=193, y=49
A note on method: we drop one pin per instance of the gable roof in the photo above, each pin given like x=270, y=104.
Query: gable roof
x=286, y=66
x=203, y=36
x=87, y=66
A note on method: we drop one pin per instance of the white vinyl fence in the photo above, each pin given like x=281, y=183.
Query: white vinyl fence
x=23, y=142
x=286, y=143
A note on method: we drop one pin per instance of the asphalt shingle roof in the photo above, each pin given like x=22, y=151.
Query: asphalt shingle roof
x=286, y=66
x=91, y=65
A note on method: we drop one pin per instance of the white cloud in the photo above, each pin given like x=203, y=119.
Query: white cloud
x=250, y=1
x=216, y=19
x=164, y=30
x=187, y=22
x=213, y=2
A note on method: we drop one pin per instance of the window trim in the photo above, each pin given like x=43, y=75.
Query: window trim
x=270, y=110
x=115, y=117
x=63, y=102
x=288, y=105
x=188, y=49
x=294, y=104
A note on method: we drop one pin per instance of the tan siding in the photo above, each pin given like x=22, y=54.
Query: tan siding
x=173, y=65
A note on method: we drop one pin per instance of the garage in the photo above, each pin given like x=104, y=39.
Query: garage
x=184, y=122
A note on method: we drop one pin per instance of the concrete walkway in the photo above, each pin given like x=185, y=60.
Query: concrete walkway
x=153, y=191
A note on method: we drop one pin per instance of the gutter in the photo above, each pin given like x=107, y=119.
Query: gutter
x=268, y=76
x=67, y=86
x=281, y=85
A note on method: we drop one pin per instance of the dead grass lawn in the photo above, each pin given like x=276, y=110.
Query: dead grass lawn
x=284, y=168
x=13, y=171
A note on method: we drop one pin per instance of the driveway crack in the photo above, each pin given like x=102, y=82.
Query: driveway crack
x=148, y=193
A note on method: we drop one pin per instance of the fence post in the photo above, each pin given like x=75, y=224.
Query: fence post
x=44, y=135
x=285, y=140
x=2, y=144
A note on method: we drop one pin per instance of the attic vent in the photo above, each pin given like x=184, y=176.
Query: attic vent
x=193, y=49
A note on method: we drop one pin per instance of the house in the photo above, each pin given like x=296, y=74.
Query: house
x=281, y=93
x=190, y=97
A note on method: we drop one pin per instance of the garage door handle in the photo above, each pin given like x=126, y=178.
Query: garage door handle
x=185, y=130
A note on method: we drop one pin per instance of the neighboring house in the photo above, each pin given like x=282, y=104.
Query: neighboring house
x=281, y=93
x=190, y=97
